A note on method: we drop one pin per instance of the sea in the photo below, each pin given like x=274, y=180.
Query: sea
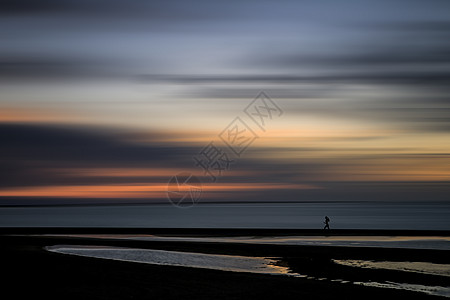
x=343, y=215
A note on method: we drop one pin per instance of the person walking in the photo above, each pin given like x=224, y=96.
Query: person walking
x=327, y=223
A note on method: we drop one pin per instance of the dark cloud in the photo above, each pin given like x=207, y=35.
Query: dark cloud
x=100, y=7
x=417, y=26
x=375, y=77
x=385, y=67
x=33, y=67
x=159, y=10
x=25, y=142
x=233, y=92
x=371, y=58
x=28, y=150
x=30, y=6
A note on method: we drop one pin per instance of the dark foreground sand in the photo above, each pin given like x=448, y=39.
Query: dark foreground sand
x=30, y=272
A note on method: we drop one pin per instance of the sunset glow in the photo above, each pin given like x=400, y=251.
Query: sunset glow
x=358, y=103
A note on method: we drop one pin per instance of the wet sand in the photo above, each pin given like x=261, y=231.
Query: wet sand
x=33, y=272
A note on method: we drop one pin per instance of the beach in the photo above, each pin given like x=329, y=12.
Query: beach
x=224, y=150
x=32, y=271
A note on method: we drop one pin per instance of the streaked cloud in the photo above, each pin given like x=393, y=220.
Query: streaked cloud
x=109, y=99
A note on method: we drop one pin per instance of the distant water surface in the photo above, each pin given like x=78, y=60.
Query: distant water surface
x=417, y=216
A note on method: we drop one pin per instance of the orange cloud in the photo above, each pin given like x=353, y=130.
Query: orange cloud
x=31, y=115
x=135, y=191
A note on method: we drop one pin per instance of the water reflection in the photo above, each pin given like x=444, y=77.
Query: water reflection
x=174, y=258
x=406, y=266
x=430, y=290
x=412, y=242
x=261, y=265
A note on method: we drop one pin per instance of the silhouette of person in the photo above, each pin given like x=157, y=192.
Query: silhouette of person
x=327, y=223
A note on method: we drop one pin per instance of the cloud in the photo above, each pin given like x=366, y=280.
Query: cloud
x=370, y=58
x=80, y=145
x=56, y=158
x=159, y=10
x=377, y=77
x=416, y=26
x=28, y=149
x=30, y=6
x=44, y=67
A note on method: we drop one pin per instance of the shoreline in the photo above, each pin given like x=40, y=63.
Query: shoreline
x=222, y=231
x=24, y=258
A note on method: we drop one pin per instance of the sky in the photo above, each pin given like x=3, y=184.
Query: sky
x=106, y=101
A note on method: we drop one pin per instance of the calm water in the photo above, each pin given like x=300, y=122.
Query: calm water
x=174, y=258
x=258, y=265
x=412, y=242
x=421, y=216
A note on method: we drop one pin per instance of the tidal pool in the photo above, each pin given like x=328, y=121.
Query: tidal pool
x=175, y=258
x=261, y=265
